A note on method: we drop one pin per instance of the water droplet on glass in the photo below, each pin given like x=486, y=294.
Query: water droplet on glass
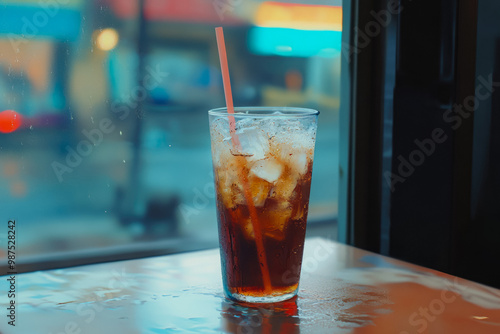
x=121, y=133
x=123, y=161
x=92, y=119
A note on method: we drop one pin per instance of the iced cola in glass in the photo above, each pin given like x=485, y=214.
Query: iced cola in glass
x=262, y=161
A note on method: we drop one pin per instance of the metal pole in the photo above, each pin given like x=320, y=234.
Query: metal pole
x=135, y=189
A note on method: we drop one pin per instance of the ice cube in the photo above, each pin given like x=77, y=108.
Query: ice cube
x=275, y=234
x=224, y=190
x=285, y=186
x=259, y=190
x=294, y=136
x=254, y=143
x=298, y=162
x=278, y=218
x=220, y=128
x=268, y=169
x=229, y=188
x=220, y=154
x=227, y=197
x=238, y=196
x=299, y=212
x=248, y=230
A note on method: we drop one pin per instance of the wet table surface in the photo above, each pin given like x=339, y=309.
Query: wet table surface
x=343, y=290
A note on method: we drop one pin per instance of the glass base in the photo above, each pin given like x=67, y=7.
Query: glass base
x=262, y=299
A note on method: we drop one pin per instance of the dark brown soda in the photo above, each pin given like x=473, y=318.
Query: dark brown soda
x=241, y=263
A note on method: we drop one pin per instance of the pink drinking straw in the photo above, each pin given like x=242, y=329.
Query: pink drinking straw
x=236, y=144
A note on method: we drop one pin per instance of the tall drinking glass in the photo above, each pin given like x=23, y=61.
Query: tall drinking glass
x=262, y=159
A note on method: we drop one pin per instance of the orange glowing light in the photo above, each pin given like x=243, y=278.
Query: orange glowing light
x=107, y=39
x=10, y=121
x=302, y=17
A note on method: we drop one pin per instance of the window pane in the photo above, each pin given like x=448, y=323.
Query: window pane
x=104, y=137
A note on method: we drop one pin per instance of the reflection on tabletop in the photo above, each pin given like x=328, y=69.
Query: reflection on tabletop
x=279, y=318
x=342, y=290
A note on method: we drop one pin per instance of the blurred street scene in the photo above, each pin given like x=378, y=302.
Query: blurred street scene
x=104, y=136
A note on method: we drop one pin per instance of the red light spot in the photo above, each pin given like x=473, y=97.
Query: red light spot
x=10, y=121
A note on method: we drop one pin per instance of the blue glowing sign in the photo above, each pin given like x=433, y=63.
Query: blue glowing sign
x=33, y=22
x=294, y=43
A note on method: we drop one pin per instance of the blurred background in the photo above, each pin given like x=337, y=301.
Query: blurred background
x=104, y=140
